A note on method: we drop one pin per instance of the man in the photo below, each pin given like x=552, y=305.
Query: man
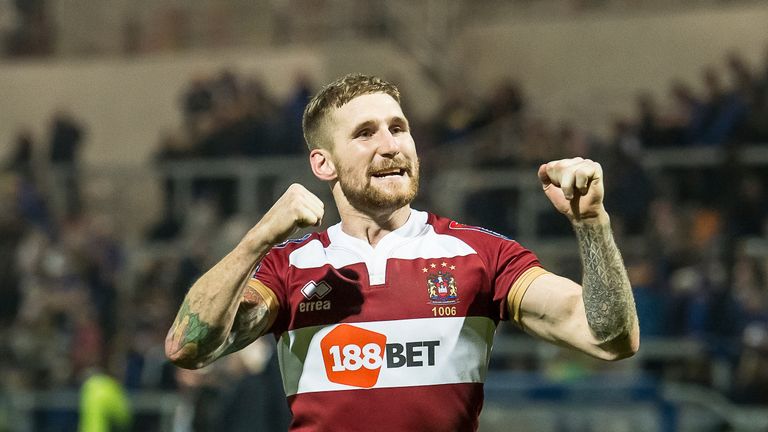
x=385, y=321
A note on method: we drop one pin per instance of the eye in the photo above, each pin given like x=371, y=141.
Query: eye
x=364, y=133
x=396, y=129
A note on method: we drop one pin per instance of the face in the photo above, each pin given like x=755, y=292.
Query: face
x=374, y=153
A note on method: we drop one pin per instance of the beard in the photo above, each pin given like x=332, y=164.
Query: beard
x=364, y=195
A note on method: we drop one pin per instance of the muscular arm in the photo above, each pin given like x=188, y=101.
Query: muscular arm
x=220, y=313
x=597, y=317
x=224, y=311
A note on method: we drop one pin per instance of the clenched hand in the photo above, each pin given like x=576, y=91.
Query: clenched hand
x=575, y=188
x=297, y=208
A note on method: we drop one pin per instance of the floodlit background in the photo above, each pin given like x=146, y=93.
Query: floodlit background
x=140, y=139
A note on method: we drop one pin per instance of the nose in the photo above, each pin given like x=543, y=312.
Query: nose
x=388, y=146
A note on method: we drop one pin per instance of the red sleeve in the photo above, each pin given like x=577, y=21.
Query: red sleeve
x=512, y=260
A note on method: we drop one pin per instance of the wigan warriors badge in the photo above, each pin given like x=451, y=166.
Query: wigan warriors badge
x=441, y=287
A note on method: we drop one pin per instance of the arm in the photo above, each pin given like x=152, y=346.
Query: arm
x=224, y=311
x=598, y=317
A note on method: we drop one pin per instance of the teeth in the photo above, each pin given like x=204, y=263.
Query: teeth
x=386, y=173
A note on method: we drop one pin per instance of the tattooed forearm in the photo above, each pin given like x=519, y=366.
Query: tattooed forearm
x=251, y=322
x=607, y=293
x=194, y=343
x=192, y=338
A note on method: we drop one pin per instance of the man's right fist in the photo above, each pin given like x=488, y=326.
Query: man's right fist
x=297, y=208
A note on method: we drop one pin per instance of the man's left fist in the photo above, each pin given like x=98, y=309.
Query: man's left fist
x=575, y=188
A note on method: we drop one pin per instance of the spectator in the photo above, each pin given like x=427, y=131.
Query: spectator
x=255, y=400
x=33, y=33
x=22, y=154
x=65, y=147
x=506, y=101
x=12, y=231
x=683, y=125
x=754, y=89
x=104, y=405
x=292, y=141
x=750, y=377
x=742, y=77
x=453, y=121
x=750, y=210
x=649, y=130
x=650, y=298
x=724, y=111
x=197, y=104
x=755, y=126
x=631, y=189
x=261, y=114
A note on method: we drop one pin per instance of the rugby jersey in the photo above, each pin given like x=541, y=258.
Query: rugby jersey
x=395, y=337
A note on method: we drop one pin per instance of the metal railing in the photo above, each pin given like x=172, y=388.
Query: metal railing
x=23, y=406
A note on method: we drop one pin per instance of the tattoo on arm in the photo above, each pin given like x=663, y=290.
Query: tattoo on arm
x=251, y=321
x=201, y=343
x=190, y=335
x=607, y=292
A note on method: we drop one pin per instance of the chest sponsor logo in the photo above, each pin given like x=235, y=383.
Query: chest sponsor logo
x=441, y=285
x=314, y=293
x=354, y=356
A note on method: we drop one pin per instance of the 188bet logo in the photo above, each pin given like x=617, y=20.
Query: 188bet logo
x=354, y=356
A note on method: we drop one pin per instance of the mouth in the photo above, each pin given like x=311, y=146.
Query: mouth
x=389, y=173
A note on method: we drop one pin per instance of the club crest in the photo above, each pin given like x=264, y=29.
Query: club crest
x=441, y=287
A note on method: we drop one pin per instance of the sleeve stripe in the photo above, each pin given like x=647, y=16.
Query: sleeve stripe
x=518, y=289
x=269, y=298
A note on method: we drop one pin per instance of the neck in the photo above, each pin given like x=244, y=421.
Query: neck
x=370, y=226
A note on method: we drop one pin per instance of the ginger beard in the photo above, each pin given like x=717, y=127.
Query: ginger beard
x=365, y=191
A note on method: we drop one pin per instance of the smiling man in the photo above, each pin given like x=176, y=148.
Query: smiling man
x=385, y=321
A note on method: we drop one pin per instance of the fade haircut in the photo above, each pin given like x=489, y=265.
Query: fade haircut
x=334, y=95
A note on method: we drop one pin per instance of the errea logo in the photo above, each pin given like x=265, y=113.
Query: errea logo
x=314, y=290
x=314, y=293
x=354, y=356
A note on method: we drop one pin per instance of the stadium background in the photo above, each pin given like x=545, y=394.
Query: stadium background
x=141, y=139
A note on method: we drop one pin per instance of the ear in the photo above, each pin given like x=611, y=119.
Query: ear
x=322, y=165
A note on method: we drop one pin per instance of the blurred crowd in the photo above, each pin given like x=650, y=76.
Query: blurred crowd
x=72, y=299
x=26, y=29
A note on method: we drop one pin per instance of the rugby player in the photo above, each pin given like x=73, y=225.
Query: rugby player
x=385, y=321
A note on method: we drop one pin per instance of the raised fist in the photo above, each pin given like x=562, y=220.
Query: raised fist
x=575, y=188
x=297, y=208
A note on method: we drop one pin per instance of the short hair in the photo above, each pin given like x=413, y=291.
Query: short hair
x=336, y=94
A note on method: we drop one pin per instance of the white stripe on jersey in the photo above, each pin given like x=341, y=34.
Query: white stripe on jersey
x=416, y=239
x=416, y=352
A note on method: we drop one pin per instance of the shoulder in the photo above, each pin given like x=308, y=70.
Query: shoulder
x=467, y=233
x=290, y=246
x=280, y=256
x=490, y=245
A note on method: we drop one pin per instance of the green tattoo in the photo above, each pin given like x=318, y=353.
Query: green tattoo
x=192, y=333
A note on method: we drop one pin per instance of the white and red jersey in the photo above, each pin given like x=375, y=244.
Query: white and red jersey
x=395, y=337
